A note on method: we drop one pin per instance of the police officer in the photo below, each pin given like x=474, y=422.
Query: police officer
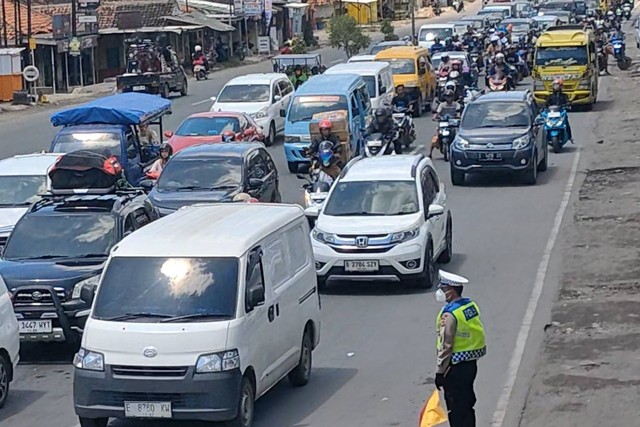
x=460, y=344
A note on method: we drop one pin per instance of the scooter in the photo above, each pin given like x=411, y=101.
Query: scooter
x=446, y=134
x=499, y=83
x=404, y=123
x=199, y=69
x=623, y=61
x=555, y=127
x=379, y=145
x=316, y=191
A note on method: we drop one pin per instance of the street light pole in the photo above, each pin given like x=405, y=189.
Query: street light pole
x=413, y=22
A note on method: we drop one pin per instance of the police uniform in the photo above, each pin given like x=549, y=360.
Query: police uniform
x=461, y=342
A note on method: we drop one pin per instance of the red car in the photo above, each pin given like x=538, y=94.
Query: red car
x=207, y=128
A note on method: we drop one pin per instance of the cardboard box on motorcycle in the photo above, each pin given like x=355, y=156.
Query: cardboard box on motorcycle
x=340, y=128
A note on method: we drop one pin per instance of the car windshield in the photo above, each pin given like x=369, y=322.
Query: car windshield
x=103, y=143
x=488, y=11
x=61, y=236
x=303, y=108
x=201, y=174
x=373, y=198
x=21, y=190
x=245, y=93
x=165, y=288
x=401, y=66
x=428, y=34
x=557, y=6
x=561, y=56
x=495, y=115
x=380, y=47
x=207, y=126
x=518, y=27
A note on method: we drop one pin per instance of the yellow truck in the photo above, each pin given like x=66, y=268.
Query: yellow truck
x=568, y=53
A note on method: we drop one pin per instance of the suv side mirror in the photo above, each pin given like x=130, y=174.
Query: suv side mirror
x=168, y=133
x=277, y=98
x=435, y=210
x=254, y=297
x=87, y=293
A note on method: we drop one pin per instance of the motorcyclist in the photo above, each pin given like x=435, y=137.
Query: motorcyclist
x=445, y=63
x=228, y=136
x=383, y=123
x=325, y=126
x=501, y=67
x=436, y=47
x=449, y=108
x=401, y=100
x=494, y=46
x=558, y=98
x=199, y=55
x=298, y=77
x=448, y=45
x=166, y=151
x=326, y=150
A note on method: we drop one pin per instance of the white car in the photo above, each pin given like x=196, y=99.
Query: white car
x=262, y=96
x=386, y=219
x=22, y=178
x=9, y=342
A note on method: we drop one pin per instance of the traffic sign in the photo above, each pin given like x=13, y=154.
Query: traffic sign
x=74, y=46
x=30, y=73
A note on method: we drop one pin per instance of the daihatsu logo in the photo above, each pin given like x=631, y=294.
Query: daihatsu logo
x=150, y=352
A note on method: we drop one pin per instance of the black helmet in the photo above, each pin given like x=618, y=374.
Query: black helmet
x=382, y=114
x=167, y=147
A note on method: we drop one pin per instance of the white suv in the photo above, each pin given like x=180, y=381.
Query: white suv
x=261, y=96
x=9, y=342
x=386, y=218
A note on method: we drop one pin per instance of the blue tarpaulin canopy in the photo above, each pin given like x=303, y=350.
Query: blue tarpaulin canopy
x=121, y=109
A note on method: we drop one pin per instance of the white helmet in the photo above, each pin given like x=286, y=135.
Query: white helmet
x=494, y=38
x=454, y=74
x=499, y=55
x=198, y=48
x=450, y=85
x=610, y=13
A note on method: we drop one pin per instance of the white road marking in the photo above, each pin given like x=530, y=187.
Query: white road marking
x=337, y=61
x=201, y=102
x=523, y=335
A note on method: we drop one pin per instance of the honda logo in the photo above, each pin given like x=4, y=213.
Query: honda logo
x=362, y=241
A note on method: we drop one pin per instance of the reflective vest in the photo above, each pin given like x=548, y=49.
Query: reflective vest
x=468, y=343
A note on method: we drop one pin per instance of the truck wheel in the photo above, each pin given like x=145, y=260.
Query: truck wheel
x=165, y=91
x=5, y=370
x=93, y=422
x=301, y=374
x=246, y=404
x=185, y=88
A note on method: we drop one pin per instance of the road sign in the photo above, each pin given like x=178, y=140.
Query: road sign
x=87, y=19
x=30, y=73
x=74, y=46
x=32, y=43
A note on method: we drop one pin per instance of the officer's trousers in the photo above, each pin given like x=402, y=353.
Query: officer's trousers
x=459, y=394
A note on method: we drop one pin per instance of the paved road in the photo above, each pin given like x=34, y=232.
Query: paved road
x=374, y=366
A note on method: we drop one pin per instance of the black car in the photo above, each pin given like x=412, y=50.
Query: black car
x=60, y=246
x=216, y=173
x=499, y=132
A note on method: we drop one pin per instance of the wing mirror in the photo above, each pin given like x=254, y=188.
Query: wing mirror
x=254, y=297
x=435, y=210
x=539, y=121
x=277, y=98
x=255, y=183
x=168, y=133
x=213, y=98
x=87, y=293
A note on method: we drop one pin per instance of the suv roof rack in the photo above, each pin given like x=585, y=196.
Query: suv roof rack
x=416, y=162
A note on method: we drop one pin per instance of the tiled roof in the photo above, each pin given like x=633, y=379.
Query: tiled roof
x=40, y=22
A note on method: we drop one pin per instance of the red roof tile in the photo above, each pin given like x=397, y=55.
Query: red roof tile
x=40, y=22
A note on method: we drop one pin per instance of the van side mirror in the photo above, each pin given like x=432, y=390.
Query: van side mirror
x=382, y=90
x=87, y=293
x=435, y=210
x=283, y=113
x=254, y=297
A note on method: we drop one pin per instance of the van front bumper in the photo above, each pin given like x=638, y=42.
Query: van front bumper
x=206, y=397
x=294, y=151
x=576, y=97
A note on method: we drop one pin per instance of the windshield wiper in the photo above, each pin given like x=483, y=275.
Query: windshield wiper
x=195, y=316
x=92, y=256
x=37, y=257
x=400, y=213
x=128, y=316
x=10, y=205
x=357, y=213
x=192, y=187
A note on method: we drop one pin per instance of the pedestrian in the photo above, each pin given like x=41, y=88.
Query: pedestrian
x=460, y=344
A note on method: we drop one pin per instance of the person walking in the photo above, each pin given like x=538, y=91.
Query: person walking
x=460, y=343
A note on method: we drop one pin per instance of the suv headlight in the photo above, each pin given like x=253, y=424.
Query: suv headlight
x=404, y=236
x=520, y=142
x=323, y=237
x=77, y=289
x=218, y=362
x=89, y=360
x=262, y=113
x=461, y=143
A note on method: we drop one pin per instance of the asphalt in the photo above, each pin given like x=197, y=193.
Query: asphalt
x=375, y=362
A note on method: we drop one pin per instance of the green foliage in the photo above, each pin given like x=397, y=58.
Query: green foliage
x=345, y=34
x=387, y=29
x=298, y=46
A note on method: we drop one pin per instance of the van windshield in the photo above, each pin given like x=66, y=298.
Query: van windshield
x=304, y=108
x=371, y=85
x=428, y=34
x=104, y=143
x=157, y=288
x=401, y=66
x=561, y=56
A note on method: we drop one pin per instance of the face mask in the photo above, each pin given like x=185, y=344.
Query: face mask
x=441, y=296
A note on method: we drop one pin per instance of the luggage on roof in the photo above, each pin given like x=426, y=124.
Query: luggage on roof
x=85, y=171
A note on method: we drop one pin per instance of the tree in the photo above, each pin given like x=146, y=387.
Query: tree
x=345, y=34
x=386, y=28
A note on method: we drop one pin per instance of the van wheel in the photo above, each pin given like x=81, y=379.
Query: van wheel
x=5, y=370
x=300, y=375
x=93, y=422
x=246, y=405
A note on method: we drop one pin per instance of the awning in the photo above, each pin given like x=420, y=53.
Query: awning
x=178, y=29
x=196, y=18
x=360, y=1
x=12, y=51
x=297, y=5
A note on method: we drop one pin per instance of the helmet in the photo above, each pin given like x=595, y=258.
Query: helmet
x=436, y=39
x=450, y=85
x=382, y=114
x=228, y=136
x=444, y=58
x=198, y=48
x=245, y=198
x=456, y=63
x=325, y=124
x=448, y=40
x=166, y=147
x=449, y=94
x=500, y=55
x=454, y=74
x=557, y=84
x=610, y=13
x=494, y=39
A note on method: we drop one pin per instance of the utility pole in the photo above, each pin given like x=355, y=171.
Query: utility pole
x=30, y=61
x=74, y=30
x=413, y=22
x=4, y=24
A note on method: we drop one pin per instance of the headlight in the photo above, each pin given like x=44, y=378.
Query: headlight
x=89, y=360
x=262, y=113
x=461, y=143
x=404, y=236
x=292, y=139
x=538, y=85
x=521, y=142
x=218, y=362
x=77, y=289
x=323, y=237
x=585, y=84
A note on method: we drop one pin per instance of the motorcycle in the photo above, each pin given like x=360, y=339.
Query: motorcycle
x=436, y=9
x=555, y=127
x=623, y=61
x=447, y=126
x=199, y=69
x=458, y=5
x=499, y=83
x=317, y=187
x=404, y=123
x=379, y=145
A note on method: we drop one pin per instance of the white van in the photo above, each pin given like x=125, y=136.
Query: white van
x=362, y=58
x=198, y=314
x=9, y=342
x=377, y=76
x=429, y=32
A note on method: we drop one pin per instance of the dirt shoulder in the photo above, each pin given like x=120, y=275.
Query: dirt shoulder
x=588, y=371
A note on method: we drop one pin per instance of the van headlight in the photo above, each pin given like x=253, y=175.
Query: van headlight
x=404, y=236
x=461, y=143
x=218, y=362
x=77, y=289
x=521, y=142
x=323, y=237
x=262, y=113
x=585, y=84
x=538, y=85
x=88, y=360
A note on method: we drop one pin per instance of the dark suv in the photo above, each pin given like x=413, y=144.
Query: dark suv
x=60, y=246
x=210, y=173
x=498, y=132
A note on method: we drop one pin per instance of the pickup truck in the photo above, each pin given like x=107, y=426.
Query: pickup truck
x=154, y=83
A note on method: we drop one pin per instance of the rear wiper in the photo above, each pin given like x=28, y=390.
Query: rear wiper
x=92, y=256
x=195, y=316
x=192, y=187
x=128, y=316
